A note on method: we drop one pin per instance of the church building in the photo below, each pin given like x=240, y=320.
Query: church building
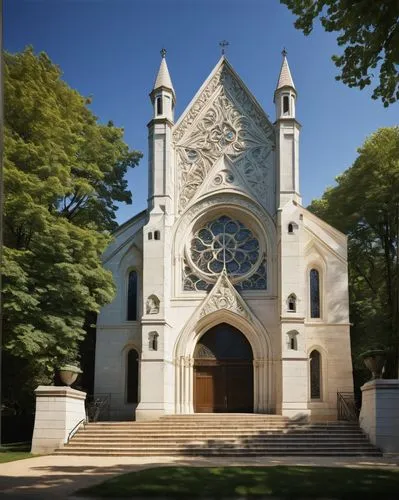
x=231, y=296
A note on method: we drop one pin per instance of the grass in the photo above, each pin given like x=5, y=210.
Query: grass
x=243, y=482
x=14, y=451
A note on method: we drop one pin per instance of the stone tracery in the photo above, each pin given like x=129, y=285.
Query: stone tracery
x=231, y=126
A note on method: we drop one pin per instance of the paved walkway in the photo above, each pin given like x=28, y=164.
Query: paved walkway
x=59, y=476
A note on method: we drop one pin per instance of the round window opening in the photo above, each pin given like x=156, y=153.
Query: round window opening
x=224, y=243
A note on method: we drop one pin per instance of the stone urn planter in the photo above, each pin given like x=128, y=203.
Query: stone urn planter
x=374, y=359
x=69, y=374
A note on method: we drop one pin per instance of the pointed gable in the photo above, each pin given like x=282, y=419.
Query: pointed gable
x=224, y=120
x=224, y=296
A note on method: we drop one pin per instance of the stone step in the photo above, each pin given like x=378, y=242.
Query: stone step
x=240, y=430
x=233, y=439
x=217, y=452
x=207, y=441
x=218, y=427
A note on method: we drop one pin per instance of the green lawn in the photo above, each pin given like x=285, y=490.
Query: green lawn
x=16, y=451
x=279, y=481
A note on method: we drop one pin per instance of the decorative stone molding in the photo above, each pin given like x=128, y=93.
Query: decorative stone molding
x=224, y=296
x=224, y=122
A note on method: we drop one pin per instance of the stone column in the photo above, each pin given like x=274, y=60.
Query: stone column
x=379, y=416
x=58, y=411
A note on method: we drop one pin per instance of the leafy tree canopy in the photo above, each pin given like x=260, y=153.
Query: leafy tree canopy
x=63, y=173
x=369, y=31
x=365, y=205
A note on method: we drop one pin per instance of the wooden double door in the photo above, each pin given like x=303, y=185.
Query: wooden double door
x=223, y=372
x=223, y=387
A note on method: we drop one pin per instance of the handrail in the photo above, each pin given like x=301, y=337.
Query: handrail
x=346, y=407
x=73, y=431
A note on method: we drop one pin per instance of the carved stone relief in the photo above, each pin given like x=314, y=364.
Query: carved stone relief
x=224, y=122
x=152, y=305
x=224, y=296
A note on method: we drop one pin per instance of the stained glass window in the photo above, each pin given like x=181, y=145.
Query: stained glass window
x=225, y=243
x=315, y=375
x=314, y=279
x=132, y=297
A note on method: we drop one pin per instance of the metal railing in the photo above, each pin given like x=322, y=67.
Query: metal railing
x=98, y=407
x=75, y=429
x=346, y=407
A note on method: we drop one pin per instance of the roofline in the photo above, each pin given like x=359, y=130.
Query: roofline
x=129, y=221
x=222, y=60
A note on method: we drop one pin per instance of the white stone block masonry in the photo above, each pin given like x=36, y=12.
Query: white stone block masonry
x=379, y=416
x=58, y=411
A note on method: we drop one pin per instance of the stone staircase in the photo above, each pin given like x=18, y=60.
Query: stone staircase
x=220, y=435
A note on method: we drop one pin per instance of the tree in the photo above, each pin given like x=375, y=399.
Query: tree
x=369, y=31
x=365, y=206
x=63, y=173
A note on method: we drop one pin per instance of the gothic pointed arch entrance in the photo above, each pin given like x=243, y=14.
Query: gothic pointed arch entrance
x=223, y=372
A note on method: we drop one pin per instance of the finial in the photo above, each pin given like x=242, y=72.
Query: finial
x=284, y=52
x=163, y=53
x=223, y=44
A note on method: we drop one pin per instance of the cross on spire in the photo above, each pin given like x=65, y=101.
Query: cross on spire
x=163, y=53
x=284, y=52
x=223, y=44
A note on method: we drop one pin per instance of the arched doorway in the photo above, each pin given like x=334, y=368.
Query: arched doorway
x=223, y=372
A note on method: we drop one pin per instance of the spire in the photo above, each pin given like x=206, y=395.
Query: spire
x=163, y=78
x=285, y=78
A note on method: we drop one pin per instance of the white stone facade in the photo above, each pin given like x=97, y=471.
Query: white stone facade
x=223, y=160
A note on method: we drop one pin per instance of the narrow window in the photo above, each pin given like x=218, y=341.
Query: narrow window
x=292, y=340
x=153, y=341
x=159, y=106
x=132, y=376
x=157, y=235
x=150, y=236
x=290, y=228
x=314, y=293
x=315, y=375
x=292, y=303
x=286, y=104
x=132, y=297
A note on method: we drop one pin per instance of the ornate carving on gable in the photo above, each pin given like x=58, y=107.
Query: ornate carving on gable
x=204, y=97
x=224, y=121
x=224, y=296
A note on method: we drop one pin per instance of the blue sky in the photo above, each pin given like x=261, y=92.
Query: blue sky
x=109, y=49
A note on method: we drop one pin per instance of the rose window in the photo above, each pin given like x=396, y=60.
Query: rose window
x=224, y=243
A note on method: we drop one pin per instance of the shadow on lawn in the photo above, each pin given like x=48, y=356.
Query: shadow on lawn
x=246, y=482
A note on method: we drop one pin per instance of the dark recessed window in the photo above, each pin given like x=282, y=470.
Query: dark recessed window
x=150, y=236
x=292, y=303
x=290, y=228
x=132, y=297
x=315, y=375
x=286, y=104
x=159, y=106
x=157, y=235
x=314, y=279
x=132, y=376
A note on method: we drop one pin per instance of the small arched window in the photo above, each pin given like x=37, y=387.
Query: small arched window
x=153, y=341
x=157, y=235
x=290, y=228
x=291, y=302
x=159, y=106
x=132, y=297
x=292, y=340
x=132, y=376
x=286, y=104
x=315, y=375
x=314, y=285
